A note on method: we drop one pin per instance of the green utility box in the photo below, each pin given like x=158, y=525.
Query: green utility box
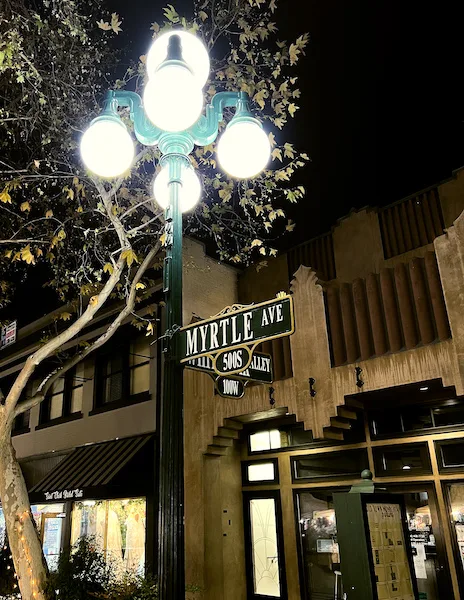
x=375, y=551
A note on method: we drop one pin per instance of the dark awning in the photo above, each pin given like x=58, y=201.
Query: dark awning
x=91, y=471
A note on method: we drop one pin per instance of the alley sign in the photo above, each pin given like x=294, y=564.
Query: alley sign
x=260, y=368
x=234, y=328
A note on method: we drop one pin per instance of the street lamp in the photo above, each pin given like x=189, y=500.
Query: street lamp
x=170, y=117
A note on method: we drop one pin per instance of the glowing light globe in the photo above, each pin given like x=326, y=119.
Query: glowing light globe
x=189, y=193
x=243, y=149
x=107, y=148
x=193, y=52
x=172, y=99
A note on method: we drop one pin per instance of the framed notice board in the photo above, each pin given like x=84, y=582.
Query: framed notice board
x=375, y=551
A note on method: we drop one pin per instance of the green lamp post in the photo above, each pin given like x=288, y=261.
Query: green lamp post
x=170, y=116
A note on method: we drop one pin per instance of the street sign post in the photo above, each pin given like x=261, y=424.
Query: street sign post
x=230, y=337
x=230, y=388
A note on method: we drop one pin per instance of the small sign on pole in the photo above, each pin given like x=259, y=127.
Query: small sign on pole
x=230, y=388
x=8, y=334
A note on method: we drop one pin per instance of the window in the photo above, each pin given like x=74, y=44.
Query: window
x=267, y=440
x=450, y=454
x=123, y=373
x=346, y=464
x=21, y=423
x=407, y=459
x=456, y=498
x=64, y=399
x=257, y=472
x=118, y=527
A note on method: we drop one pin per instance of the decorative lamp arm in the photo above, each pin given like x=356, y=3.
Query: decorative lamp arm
x=147, y=133
x=205, y=130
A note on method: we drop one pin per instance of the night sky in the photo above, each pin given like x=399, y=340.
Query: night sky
x=381, y=110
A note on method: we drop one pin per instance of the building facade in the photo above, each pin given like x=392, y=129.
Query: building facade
x=373, y=377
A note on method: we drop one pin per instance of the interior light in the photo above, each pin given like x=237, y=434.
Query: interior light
x=194, y=53
x=189, y=193
x=244, y=149
x=424, y=389
x=406, y=467
x=172, y=98
x=107, y=148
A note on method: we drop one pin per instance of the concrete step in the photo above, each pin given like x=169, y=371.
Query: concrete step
x=228, y=433
x=223, y=441
x=340, y=423
x=354, y=403
x=347, y=413
x=231, y=424
x=215, y=450
x=333, y=433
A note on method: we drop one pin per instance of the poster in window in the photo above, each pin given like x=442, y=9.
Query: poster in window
x=391, y=564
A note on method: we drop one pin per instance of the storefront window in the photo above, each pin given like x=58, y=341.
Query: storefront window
x=456, y=492
x=118, y=527
x=49, y=519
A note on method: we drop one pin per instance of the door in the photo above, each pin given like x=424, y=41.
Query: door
x=52, y=530
x=429, y=553
x=265, y=564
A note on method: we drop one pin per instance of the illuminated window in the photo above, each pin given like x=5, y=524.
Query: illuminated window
x=261, y=472
x=265, y=440
x=64, y=397
x=118, y=527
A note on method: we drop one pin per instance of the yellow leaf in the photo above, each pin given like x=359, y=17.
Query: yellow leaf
x=115, y=23
x=289, y=151
x=70, y=194
x=256, y=243
x=203, y=16
x=8, y=253
x=75, y=180
x=103, y=25
x=262, y=250
x=292, y=108
x=27, y=256
x=149, y=329
x=140, y=286
x=49, y=214
x=79, y=209
x=37, y=164
x=5, y=197
x=129, y=256
x=93, y=300
x=163, y=239
x=108, y=268
x=290, y=225
x=25, y=206
x=65, y=316
x=272, y=139
x=276, y=153
x=258, y=209
x=273, y=252
x=155, y=27
x=39, y=252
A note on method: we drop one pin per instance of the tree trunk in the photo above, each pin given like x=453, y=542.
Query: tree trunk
x=23, y=537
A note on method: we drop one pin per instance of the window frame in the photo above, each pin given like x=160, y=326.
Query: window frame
x=324, y=477
x=424, y=453
x=66, y=414
x=440, y=459
x=127, y=399
x=247, y=463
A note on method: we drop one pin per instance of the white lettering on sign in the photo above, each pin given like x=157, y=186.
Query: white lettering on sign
x=232, y=360
x=247, y=332
x=192, y=341
x=231, y=387
x=272, y=314
x=64, y=495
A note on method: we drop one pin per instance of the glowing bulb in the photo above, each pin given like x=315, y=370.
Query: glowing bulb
x=189, y=192
x=172, y=99
x=107, y=148
x=243, y=149
x=194, y=53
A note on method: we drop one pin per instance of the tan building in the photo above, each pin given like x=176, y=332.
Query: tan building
x=373, y=377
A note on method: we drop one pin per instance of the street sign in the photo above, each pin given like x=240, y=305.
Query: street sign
x=237, y=327
x=230, y=388
x=8, y=334
x=260, y=368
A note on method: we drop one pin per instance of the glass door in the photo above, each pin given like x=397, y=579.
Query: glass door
x=264, y=546
x=429, y=553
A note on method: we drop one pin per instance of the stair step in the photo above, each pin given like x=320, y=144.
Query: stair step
x=231, y=424
x=228, y=433
x=333, y=433
x=354, y=403
x=340, y=422
x=215, y=450
x=347, y=413
x=222, y=441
